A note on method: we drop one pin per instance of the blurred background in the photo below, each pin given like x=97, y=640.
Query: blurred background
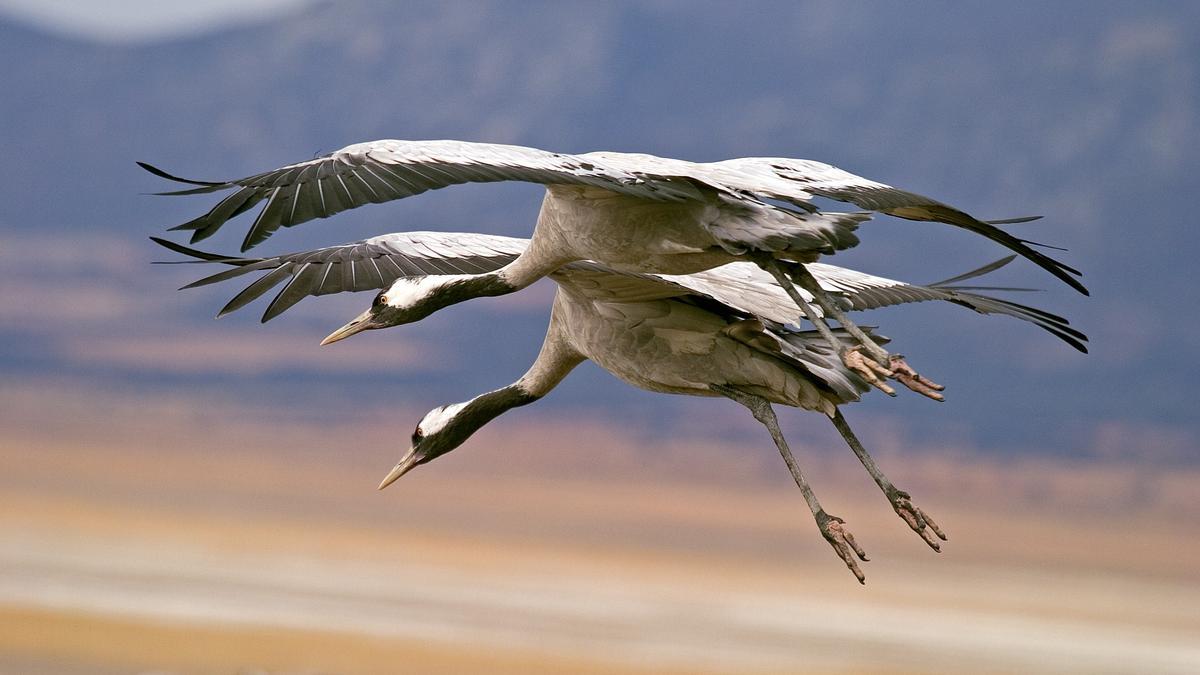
x=186, y=496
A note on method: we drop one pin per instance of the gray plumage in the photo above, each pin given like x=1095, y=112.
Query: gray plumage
x=721, y=202
x=662, y=336
x=375, y=263
x=720, y=332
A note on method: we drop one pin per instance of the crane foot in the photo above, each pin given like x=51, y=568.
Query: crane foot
x=834, y=531
x=917, y=519
x=897, y=369
x=904, y=374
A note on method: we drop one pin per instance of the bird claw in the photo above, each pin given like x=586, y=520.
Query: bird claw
x=898, y=369
x=832, y=528
x=867, y=368
x=904, y=374
x=917, y=519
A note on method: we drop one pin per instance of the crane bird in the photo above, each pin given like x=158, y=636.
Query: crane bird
x=632, y=212
x=721, y=332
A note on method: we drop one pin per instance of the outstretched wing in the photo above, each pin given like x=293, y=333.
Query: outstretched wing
x=381, y=171
x=365, y=265
x=865, y=291
x=375, y=263
x=798, y=180
x=749, y=288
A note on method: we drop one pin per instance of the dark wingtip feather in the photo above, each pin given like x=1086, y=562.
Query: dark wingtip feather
x=1051, y=323
x=204, y=233
x=163, y=174
x=1072, y=340
x=256, y=289
x=195, y=253
x=299, y=287
x=1041, y=245
x=1013, y=221
x=253, y=237
x=948, y=214
x=207, y=189
x=231, y=306
x=240, y=265
x=198, y=223
x=1014, y=289
x=977, y=272
x=1069, y=339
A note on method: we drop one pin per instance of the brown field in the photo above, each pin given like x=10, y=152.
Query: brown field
x=117, y=557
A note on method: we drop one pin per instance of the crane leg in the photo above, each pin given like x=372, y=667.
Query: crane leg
x=831, y=527
x=872, y=365
x=901, y=501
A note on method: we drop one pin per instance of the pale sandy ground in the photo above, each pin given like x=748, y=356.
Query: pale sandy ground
x=115, y=560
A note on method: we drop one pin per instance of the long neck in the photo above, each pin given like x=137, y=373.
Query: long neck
x=487, y=407
x=555, y=360
x=547, y=251
x=526, y=269
x=472, y=415
x=465, y=287
x=557, y=356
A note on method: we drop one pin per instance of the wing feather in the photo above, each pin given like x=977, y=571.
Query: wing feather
x=261, y=285
x=405, y=168
x=299, y=287
x=365, y=265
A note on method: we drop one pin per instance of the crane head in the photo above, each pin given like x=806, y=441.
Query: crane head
x=446, y=427
x=441, y=430
x=410, y=299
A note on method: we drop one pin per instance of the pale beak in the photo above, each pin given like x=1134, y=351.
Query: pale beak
x=364, y=321
x=405, y=465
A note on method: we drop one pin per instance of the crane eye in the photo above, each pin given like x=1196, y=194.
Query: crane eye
x=380, y=299
x=417, y=436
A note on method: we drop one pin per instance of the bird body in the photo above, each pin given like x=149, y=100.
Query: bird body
x=632, y=234
x=381, y=171
x=665, y=333
x=644, y=252
x=628, y=233
x=659, y=337
x=637, y=235
x=720, y=332
x=677, y=344
x=633, y=212
x=675, y=347
x=408, y=267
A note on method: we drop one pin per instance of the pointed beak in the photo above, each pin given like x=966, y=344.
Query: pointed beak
x=364, y=321
x=405, y=465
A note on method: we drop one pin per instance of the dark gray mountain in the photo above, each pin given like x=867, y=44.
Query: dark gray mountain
x=1085, y=112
